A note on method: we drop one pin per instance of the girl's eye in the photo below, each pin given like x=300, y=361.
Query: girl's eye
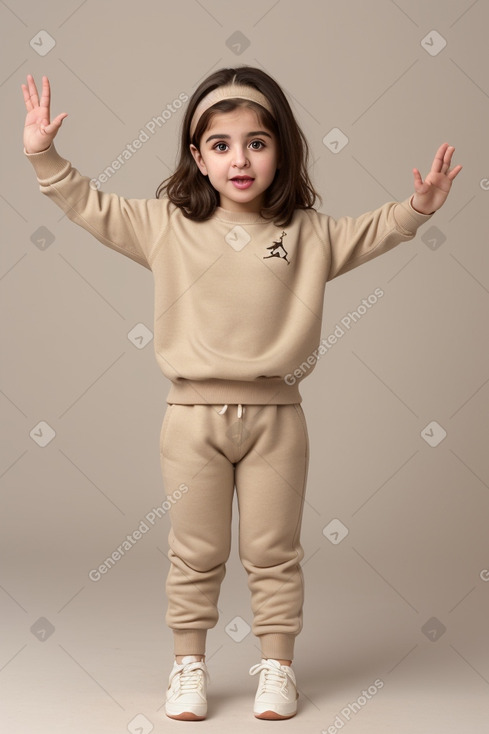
x=254, y=145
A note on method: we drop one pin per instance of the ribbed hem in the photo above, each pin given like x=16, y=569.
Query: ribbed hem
x=189, y=642
x=270, y=390
x=277, y=646
x=407, y=218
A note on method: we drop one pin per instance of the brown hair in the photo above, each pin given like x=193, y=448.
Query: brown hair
x=291, y=187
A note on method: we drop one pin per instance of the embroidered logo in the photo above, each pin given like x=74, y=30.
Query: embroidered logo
x=278, y=249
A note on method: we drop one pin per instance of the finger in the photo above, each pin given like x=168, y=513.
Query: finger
x=420, y=186
x=46, y=94
x=455, y=172
x=448, y=153
x=27, y=99
x=32, y=91
x=439, y=158
x=59, y=119
x=447, y=158
x=418, y=181
x=55, y=124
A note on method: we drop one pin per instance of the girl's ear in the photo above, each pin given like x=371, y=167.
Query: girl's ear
x=198, y=159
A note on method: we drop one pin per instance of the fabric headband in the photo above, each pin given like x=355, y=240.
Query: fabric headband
x=228, y=91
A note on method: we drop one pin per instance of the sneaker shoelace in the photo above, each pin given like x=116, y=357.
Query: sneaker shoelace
x=190, y=677
x=275, y=679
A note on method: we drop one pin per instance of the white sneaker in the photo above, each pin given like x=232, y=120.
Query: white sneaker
x=186, y=697
x=276, y=697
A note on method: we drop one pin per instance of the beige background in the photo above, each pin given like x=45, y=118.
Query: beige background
x=417, y=544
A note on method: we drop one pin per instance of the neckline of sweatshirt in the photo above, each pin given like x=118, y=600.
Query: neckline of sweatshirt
x=237, y=217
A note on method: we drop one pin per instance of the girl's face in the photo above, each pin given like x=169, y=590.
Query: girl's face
x=238, y=146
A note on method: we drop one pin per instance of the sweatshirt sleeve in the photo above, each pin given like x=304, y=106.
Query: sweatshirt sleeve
x=129, y=226
x=352, y=241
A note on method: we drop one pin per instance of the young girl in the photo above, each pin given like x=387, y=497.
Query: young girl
x=240, y=259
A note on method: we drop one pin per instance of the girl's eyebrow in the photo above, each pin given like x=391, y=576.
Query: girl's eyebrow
x=248, y=135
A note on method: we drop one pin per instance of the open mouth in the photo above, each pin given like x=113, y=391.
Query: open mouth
x=242, y=182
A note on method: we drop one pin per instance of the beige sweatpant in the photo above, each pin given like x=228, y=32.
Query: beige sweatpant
x=262, y=451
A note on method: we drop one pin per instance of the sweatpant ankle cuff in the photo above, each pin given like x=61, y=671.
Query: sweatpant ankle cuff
x=277, y=646
x=189, y=642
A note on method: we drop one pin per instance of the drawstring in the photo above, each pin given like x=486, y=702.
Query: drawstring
x=225, y=407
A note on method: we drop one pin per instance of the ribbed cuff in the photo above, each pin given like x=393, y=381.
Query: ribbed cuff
x=189, y=642
x=277, y=646
x=48, y=165
x=408, y=218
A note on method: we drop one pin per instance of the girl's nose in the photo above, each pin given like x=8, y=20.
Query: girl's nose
x=239, y=157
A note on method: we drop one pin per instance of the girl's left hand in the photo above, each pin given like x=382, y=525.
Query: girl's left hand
x=431, y=193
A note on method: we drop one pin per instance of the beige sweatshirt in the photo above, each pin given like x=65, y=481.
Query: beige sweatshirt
x=238, y=301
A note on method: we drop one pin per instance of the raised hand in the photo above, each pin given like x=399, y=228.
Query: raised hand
x=39, y=132
x=432, y=192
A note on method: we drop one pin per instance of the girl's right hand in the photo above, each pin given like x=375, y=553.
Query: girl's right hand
x=39, y=133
